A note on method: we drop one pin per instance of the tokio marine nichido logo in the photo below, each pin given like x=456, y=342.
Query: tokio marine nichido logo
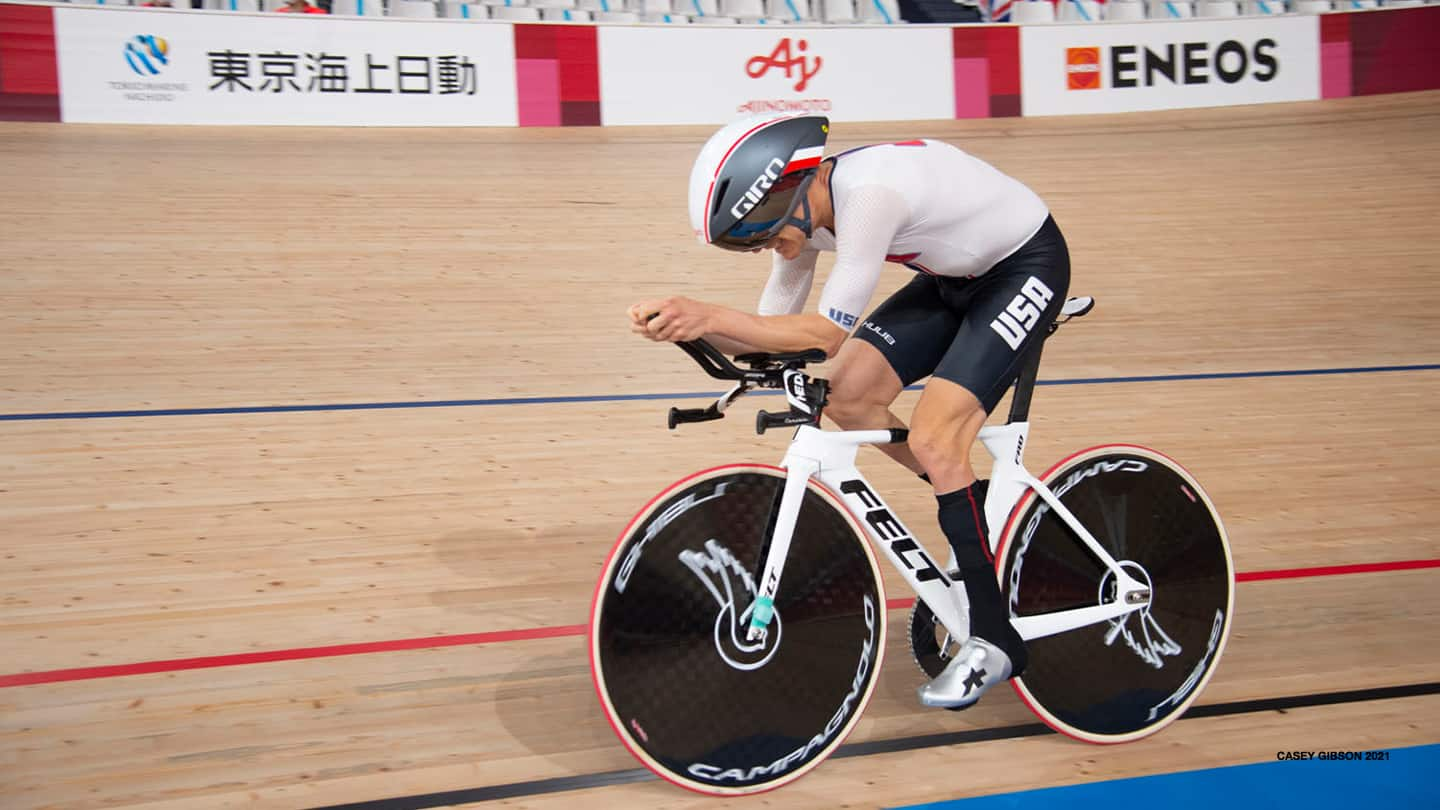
x=147, y=54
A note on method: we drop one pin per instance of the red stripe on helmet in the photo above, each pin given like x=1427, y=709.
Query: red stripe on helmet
x=801, y=164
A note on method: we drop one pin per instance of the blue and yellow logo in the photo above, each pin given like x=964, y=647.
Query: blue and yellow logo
x=147, y=54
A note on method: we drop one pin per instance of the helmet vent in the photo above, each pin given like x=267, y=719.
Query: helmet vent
x=719, y=195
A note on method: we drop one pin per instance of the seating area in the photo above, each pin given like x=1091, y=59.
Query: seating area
x=677, y=12
x=1032, y=12
x=780, y=12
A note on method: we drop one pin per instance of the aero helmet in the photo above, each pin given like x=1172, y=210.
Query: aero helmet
x=750, y=176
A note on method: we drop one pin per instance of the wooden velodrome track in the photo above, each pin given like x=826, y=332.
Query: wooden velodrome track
x=168, y=271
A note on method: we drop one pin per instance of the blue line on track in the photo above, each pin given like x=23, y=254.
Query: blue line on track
x=1403, y=779
x=474, y=403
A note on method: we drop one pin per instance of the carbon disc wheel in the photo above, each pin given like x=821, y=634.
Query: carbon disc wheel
x=688, y=693
x=1125, y=678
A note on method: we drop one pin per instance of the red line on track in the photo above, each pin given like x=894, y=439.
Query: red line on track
x=209, y=662
x=1336, y=570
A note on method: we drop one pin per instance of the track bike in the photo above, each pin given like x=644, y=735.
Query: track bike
x=739, y=623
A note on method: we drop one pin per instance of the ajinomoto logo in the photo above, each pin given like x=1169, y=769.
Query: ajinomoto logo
x=791, y=59
x=1082, y=68
x=147, y=54
x=788, y=56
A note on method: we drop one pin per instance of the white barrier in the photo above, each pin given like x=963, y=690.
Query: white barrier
x=131, y=65
x=707, y=76
x=207, y=68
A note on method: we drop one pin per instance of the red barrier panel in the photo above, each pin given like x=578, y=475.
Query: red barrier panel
x=29, y=79
x=987, y=71
x=1371, y=53
x=557, y=75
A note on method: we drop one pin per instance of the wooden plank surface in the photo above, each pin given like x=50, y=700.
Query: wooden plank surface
x=155, y=269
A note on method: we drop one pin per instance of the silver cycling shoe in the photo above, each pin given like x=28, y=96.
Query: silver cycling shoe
x=977, y=666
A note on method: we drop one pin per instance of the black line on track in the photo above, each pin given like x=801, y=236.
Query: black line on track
x=864, y=749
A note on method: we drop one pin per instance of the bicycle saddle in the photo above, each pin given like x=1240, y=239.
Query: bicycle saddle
x=1076, y=306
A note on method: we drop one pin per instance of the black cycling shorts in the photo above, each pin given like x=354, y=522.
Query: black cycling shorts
x=975, y=332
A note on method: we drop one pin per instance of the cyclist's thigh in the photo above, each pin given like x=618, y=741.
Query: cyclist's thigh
x=1008, y=313
x=863, y=374
x=912, y=329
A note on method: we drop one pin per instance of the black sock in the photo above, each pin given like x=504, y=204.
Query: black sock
x=962, y=518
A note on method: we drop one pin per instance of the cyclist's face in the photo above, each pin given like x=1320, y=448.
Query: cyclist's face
x=788, y=242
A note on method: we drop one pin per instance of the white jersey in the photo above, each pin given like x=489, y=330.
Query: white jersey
x=924, y=204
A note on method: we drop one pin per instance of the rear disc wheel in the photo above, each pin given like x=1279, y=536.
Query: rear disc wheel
x=1125, y=678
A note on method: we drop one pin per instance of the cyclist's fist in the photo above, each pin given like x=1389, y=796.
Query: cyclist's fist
x=670, y=319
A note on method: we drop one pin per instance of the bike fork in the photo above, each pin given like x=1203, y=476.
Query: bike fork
x=796, y=477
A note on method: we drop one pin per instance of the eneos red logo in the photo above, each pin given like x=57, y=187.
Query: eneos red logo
x=787, y=59
x=1082, y=68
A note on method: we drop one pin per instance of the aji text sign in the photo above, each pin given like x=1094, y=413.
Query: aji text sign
x=709, y=75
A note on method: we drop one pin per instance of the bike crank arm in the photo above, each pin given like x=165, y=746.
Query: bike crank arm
x=797, y=478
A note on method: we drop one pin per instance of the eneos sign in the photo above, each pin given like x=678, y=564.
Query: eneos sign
x=1131, y=67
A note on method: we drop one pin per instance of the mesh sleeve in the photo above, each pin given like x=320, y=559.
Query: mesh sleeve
x=789, y=284
x=865, y=226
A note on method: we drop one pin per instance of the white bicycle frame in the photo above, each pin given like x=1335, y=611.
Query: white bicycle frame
x=829, y=457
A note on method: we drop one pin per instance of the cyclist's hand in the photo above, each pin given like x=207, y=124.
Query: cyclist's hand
x=640, y=315
x=670, y=319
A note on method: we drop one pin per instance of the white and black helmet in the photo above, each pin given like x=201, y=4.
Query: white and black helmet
x=751, y=175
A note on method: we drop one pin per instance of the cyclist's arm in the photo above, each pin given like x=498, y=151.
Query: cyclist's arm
x=736, y=332
x=779, y=325
x=782, y=301
x=733, y=331
x=789, y=284
x=865, y=227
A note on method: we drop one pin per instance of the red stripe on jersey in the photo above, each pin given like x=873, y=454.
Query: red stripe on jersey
x=908, y=259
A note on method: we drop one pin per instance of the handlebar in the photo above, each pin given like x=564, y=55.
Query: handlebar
x=762, y=366
x=784, y=371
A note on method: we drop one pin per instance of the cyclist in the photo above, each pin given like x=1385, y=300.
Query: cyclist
x=992, y=271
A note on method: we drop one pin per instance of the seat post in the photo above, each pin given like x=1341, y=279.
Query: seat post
x=1025, y=385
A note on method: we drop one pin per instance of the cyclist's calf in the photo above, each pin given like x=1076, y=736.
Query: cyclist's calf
x=944, y=428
